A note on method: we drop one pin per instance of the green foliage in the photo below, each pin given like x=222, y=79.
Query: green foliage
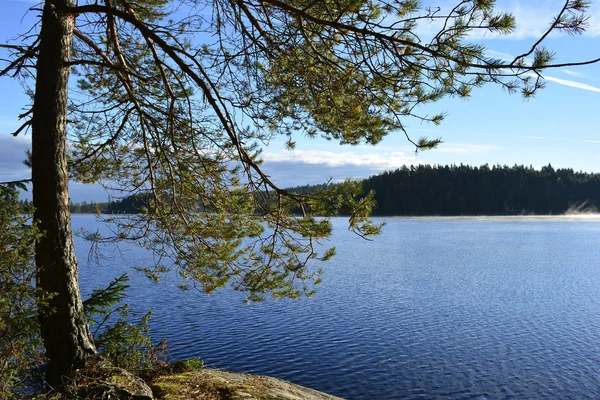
x=133, y=204
x=469, y=190
x=181, y=122
x=181, y=366
x=175, y=111
x=21, y=350
x=102, y=301
x=87, y=208
x=21, y=354
x=162, y=117
x=124, y=344
x=128, y=345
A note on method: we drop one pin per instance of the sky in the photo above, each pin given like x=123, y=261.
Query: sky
x=560, y=126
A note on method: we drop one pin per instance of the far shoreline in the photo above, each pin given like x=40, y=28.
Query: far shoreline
x=582, y=216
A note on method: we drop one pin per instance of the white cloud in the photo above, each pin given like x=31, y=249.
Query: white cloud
x=374, y=161
x=566, y=82
x=12, y=154
x=498, y=54
x=291, y=173
x=574, y=84
x=578, y=85
x=573, y=73
x=302, y=167
x=591, y=141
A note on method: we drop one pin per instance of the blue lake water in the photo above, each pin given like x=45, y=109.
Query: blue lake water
x=455, y=308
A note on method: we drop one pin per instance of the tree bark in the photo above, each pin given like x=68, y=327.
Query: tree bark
x=65, y=331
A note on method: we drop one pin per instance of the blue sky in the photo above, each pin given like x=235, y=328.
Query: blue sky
x=560, y=126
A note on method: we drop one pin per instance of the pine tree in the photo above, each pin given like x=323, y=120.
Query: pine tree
x=172, y=100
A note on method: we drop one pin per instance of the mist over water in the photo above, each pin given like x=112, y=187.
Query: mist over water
x=583, y=209
x=501, y=307
x=569, y=216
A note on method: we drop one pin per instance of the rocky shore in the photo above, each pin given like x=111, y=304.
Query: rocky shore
x=215, y=384
x=107, y=382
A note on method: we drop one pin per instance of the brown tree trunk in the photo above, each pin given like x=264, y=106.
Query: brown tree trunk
x=65, y=332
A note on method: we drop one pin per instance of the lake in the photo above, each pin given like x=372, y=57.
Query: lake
x=456, y=308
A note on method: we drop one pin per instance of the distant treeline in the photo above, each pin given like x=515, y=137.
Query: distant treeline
x=83, y=207
x=447, y=190
x=497, y=190
x=88, y=208
x=127, y=205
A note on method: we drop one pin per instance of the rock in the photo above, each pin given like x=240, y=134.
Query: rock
x=117, y=384
x=221, y=385
x=130, y=385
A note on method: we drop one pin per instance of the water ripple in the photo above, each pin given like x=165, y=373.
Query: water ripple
x=435, y=308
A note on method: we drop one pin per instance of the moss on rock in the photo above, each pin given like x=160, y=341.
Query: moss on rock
x=210, y=384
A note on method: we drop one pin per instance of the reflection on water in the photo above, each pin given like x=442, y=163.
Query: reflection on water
x=434, y=308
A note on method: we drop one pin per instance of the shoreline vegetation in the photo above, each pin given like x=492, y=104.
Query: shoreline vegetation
x=451, y=190
x=179, y=381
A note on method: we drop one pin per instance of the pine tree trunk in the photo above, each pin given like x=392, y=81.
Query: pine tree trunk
x=65, y=332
